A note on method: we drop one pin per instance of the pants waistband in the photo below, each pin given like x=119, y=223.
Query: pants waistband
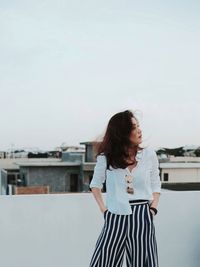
x=138, y=201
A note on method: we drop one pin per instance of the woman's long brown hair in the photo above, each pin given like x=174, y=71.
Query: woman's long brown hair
x=116, y=143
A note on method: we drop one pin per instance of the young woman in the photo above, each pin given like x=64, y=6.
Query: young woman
x=133, y=189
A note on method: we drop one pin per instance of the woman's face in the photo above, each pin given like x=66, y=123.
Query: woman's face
x=136, y=134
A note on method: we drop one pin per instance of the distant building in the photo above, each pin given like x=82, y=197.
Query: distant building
x=9, y=175
x=90, y=151
x=73, y=170
x=89, y=164
x=2, y=154
x=60, y=176
x=180, y=172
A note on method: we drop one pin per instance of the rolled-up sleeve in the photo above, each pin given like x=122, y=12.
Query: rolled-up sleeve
x=155, y=173
x=99, y=174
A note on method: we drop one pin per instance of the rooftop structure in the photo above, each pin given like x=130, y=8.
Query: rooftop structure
x=61, y=230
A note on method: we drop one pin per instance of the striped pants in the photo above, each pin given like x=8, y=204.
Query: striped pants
x=133, y=234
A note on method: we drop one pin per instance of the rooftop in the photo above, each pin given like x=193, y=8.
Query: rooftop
x=177, y=165
x=49, y=164
x=61, y=229
x=10, y=164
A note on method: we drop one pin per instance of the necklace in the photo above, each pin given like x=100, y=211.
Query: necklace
x=129, y=181
x=129, y=177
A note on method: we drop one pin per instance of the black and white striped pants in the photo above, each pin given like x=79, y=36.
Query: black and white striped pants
x=133, y=233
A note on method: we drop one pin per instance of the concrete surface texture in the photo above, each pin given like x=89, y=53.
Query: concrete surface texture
x=61, y=230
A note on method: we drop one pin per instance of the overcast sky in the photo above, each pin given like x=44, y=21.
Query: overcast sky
x=67, y=66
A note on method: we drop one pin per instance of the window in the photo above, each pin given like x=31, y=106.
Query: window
x=73, y=182
x=12, y=179
x=166, y=177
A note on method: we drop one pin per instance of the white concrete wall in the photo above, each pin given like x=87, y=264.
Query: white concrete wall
x=190, y=175
x=61, y=230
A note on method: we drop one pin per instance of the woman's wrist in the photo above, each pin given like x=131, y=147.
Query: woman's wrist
x=103, y=209
x=154, y=210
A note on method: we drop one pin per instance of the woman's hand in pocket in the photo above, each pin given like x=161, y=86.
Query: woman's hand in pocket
x=104, y=210
x=152, y=213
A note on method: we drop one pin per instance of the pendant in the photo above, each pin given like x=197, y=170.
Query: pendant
x=130, y=190
x=129, y=180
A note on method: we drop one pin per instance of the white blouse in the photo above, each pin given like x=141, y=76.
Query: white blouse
x=146, y=180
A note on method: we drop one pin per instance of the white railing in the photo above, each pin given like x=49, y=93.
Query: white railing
x=61, y=230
